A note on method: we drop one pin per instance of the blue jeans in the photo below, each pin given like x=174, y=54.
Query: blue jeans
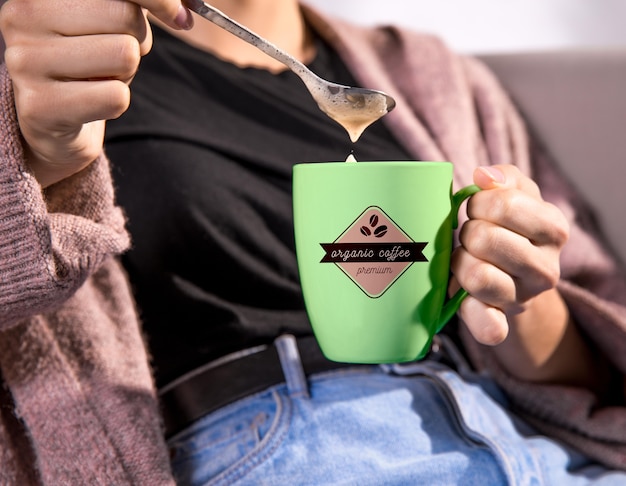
x=422, y=423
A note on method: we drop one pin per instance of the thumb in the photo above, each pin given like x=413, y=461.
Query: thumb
x=489, y=177
x=505, y=176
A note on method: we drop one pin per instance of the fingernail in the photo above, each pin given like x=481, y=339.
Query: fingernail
x=495, y=174
x=183, y=19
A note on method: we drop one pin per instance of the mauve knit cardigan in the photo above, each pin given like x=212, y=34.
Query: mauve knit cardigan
x=78, y=404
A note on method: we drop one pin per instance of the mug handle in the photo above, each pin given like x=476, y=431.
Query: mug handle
x=452, y=306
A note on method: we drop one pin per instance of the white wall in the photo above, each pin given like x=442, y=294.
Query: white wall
x=497, y=25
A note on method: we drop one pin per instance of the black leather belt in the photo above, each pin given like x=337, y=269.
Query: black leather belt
x=224, y=381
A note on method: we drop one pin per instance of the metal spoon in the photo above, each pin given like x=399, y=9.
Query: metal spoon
x=353, y=108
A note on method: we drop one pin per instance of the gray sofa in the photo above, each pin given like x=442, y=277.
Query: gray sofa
x=575, y=100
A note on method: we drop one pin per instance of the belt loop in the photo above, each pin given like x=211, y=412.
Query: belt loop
x=289, y=356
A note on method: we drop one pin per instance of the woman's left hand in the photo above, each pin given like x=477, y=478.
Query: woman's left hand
x=509, y=253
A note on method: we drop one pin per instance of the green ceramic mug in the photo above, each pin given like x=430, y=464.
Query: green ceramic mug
x=373, y=243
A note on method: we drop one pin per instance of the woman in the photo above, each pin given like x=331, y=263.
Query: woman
x=202, y=162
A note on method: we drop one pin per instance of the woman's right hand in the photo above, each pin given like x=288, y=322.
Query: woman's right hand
x=71, y=63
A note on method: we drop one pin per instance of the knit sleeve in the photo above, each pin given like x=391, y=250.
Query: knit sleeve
x=52, y=240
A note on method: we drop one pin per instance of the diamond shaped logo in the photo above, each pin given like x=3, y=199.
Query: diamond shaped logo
x=374, y=252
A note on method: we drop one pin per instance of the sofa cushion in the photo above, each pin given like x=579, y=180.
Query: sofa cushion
x=575, y=101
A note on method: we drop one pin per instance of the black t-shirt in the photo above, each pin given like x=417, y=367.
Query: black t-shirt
x=202, y=164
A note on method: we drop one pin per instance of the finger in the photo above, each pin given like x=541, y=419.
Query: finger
x=486, y=282
x=536, y=268
x=172, y=12
x=541, y=222
x=90, y=57
x=27, y=21
x=89, y=101
x=488, y=325
x=71, y=18
x=515, y=202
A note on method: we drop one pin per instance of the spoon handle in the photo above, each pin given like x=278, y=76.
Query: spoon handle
x=353, y=108
x=220, y=19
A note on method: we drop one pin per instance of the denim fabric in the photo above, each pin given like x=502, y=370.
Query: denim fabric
x=394, y=425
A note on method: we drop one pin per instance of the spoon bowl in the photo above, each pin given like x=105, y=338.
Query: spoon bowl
x=353, y=108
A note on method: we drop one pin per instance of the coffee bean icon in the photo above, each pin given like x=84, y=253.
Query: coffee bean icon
x=380, y=231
